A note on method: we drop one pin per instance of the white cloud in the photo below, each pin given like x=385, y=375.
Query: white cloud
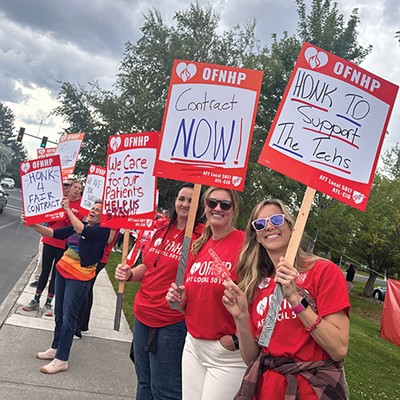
x=43, y=42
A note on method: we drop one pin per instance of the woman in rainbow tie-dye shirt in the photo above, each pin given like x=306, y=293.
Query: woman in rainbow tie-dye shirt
x=75, y=271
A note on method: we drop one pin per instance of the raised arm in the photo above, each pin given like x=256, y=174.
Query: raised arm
x=331, y=332
x=43, y=230
x=77, y=224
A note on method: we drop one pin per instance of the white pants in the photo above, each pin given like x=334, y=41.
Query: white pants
x=209, y=371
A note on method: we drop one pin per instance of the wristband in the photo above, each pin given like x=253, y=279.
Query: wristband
x=235, y=341
x=314, y=325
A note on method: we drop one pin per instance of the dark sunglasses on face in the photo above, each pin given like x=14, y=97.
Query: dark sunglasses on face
x=275, y=220
x=224, y=204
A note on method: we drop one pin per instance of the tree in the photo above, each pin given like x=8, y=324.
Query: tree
x=11, y=152
x=371, y=238
x=143, y=80
x=324, y=27
x=391, y=162
x=145, y=70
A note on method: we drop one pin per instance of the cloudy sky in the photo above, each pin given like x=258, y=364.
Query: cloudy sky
x=43, y=42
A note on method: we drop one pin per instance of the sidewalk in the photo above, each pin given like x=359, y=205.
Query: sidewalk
x=99, y=365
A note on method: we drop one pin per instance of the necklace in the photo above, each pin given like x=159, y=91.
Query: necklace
x=216, y=243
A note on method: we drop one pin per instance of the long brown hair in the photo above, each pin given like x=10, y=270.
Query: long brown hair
x=207, y=233
x=255, y=263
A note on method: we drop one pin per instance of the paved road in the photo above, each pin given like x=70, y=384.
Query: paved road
x=18, y=244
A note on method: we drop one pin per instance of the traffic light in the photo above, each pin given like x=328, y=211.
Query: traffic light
x=44, y=141
x=20, y=134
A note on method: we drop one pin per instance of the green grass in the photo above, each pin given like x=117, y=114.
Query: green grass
x=372, y=364
x=130, y=287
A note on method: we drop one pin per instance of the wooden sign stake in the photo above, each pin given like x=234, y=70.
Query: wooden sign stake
x=121, y=285
x=187, y=239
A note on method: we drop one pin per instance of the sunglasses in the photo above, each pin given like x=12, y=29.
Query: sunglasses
x=275, y=220
x=224, y=204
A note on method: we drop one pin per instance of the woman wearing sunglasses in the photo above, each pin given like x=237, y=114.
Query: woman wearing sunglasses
x=212, y=367
x=311, y=335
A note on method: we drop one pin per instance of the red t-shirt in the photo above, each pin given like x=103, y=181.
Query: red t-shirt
x=108, y=248
x=162, y=259
x=75, y=207
x=160, y=222
x=326, y=284
x=206, y=316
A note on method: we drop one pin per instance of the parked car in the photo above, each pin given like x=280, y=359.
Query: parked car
x=379, y=293
x=8, y=183
x=3, y=199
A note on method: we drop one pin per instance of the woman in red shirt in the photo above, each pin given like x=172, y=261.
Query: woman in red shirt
x=212, y=366
x=159, y=332
x=311, y=336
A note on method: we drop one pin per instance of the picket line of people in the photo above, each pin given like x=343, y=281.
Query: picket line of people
x=224, y=317
x=200, y=351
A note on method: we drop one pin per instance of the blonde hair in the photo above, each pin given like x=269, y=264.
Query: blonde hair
x=255, y=263
x=207, y=232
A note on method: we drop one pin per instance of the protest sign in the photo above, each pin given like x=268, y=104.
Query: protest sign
x=208, y=124
x=130, y=186
x=68, y=148
x=330, y=126
x=45, y=152
x=42, y=190
x=94, y=187
x=129, y=199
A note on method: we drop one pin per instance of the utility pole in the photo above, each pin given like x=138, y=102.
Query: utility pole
x=40, y=126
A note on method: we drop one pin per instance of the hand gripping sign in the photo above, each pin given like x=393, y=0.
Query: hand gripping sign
x=42, y=190
x=207, y=130
x=327, y=134
x=208, y=124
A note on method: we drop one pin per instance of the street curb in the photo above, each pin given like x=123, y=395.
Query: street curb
x=12, y=297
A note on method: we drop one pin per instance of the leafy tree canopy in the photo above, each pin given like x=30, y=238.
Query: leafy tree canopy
x=11, y=152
